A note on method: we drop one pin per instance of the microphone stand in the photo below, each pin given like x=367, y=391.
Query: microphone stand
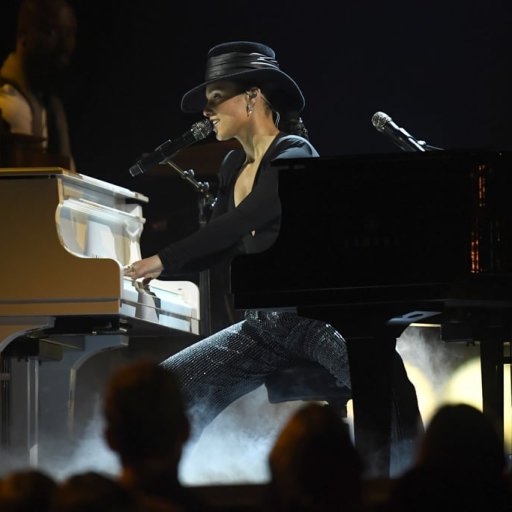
x=206, y=202
x=203, y=187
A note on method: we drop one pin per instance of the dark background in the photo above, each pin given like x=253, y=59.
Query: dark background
x=440, y=69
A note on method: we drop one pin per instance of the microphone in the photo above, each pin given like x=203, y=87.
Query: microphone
x=169, y=148
x=404, y=140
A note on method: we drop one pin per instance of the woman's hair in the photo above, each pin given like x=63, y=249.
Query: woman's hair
x=293, y=124
x=286, y=121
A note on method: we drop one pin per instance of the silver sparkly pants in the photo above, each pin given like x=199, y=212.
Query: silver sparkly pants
x=217, y=370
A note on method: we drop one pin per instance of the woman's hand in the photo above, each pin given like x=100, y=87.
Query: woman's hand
x=149, y=268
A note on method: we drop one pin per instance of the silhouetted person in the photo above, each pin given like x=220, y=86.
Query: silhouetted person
x=314, y=465
x=147, y=427
x=30, y=75
x=93, y=492
x=27, y=490
x=461, y=465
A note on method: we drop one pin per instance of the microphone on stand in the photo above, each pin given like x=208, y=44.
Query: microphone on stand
x=403, y=139
x=169, y=148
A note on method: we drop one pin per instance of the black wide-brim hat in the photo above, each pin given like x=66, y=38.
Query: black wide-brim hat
x=254, y=64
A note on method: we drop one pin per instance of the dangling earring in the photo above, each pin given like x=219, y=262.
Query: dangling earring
x=277, y=118
x=250, y=107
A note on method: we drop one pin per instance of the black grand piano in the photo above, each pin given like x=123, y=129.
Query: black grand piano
x=374, y=243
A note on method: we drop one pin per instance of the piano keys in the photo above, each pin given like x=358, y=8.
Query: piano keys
x=66, y=238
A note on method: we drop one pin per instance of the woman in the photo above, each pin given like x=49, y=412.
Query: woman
x=244, y=95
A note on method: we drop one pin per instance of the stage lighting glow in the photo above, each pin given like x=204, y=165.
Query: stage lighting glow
x=427, y=399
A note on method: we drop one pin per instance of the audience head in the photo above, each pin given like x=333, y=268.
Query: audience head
x=314, y=464
x=460, y=466
x=145, y=415
x=26, y=491
x=92, y=492
x=462, y=434
x=46, y=36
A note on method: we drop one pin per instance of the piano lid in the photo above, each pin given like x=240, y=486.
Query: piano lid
x=361, y=228
x=80, y=180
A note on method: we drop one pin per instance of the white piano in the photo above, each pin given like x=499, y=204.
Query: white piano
x=63, y=298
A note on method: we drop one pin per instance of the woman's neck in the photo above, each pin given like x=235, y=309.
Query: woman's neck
x=258, y=145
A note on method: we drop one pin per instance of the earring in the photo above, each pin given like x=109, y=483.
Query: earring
x=249, y=108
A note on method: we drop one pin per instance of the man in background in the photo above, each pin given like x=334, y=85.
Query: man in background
x=32, y=113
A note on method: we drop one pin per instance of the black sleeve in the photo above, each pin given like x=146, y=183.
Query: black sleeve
x=229, y=226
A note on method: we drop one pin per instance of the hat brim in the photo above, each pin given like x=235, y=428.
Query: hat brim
x=284, y=93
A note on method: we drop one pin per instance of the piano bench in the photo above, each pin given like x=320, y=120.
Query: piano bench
x=308, y=382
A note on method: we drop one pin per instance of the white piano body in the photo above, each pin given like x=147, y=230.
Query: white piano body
x=65, y=240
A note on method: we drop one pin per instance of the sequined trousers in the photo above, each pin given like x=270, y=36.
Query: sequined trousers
x=221, y=368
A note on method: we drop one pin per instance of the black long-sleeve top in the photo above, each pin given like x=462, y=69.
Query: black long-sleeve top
x=229, y=230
